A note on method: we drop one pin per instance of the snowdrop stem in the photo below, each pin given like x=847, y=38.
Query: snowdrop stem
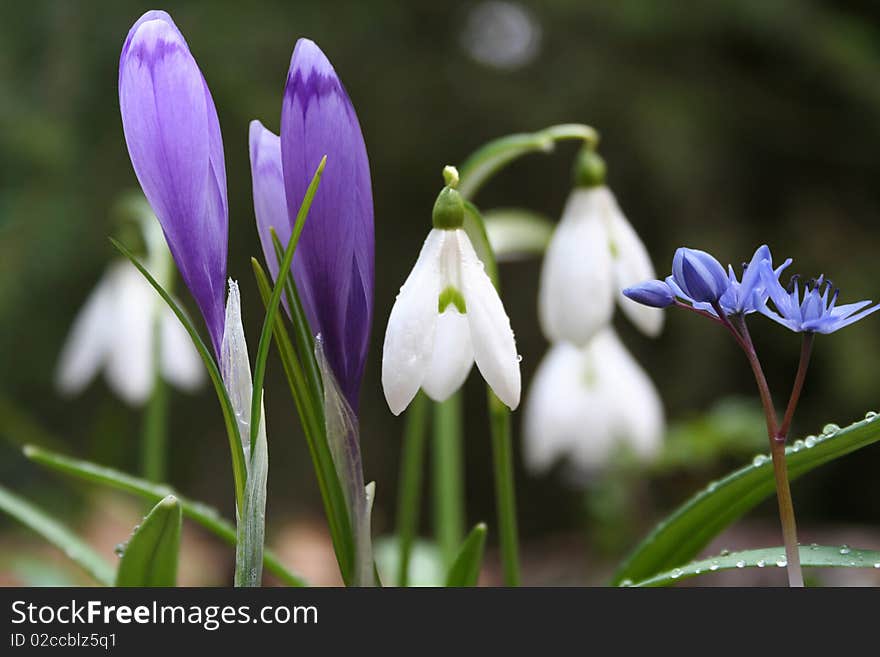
x=155, y=436
x=410, y=491
x=502, y=453
x=777, y=452
x=448, y=478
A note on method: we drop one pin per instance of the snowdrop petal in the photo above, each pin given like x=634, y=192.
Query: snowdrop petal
x=409, y=338
x=453, y=356
x=631, y=265
x=130, y=368
x=87, y=343
x=179, y=362
x=576, y=296
x=491, y=335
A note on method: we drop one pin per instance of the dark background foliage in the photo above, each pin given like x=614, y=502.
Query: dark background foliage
x=725, y=125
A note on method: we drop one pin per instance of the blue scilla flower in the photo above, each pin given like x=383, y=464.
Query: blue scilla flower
x=695, y=273
x=817, y=311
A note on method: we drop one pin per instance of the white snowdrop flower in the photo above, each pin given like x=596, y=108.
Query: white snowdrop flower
x=593, y=255
x=115, y=332
x=584, y=403
x=447, y=316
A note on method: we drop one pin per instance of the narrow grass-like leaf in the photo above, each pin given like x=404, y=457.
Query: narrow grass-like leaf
x=313, y=428
x=275, y=299
x=206, y=516
x=465, y=570
x=681, y=536
x=57, y=534
x=150, y=556
x=490, y=158
x=814, y=556
x=517, y=233
x=239, y=469
x=409, y=493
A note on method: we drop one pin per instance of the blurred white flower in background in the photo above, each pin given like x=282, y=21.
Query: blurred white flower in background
x=119, y=326
x=501, y=34
x=585, y=403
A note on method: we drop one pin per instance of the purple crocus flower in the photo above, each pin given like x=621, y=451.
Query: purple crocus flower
x=334, y=261
x=817, y=311
x=739, y=297
x=173, y=137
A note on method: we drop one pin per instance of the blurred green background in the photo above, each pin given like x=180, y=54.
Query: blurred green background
x=724, y=124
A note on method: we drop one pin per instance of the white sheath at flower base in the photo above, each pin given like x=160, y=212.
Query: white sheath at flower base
x=433, y=348
x=593, y=255
x=235, y=368
x=585, y=403
x=115, y=331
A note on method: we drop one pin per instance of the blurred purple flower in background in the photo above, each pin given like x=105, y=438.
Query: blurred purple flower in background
x=334, y=261
x=173, y=138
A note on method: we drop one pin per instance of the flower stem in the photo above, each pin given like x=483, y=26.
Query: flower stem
x=502, y=453
x=448, y=478
x=155, y=432
x=806, y=351
x=409, y=494
x=777, y=452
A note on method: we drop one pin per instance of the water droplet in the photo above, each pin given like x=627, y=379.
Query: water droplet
x=810, y=441
x=519, y=358
x=877, y=565
x=724, y=552
x=626, y=582
x=830, y=429
x=740, y=564
x=782, y=562
x=844, y=549
x=119, y=550
x=759, y=460
x=760, y=563
x=714, y=566
x=697, y=571
x=870, y=415
x=676, y=573
x=712, y=486
x=798, y=445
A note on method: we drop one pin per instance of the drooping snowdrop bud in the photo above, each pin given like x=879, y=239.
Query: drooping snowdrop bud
x=699, y=275
x=586, y=403
x=115, y=331
x=173, y=138
x=656, y=294
x=593, y=255
x=448, y=315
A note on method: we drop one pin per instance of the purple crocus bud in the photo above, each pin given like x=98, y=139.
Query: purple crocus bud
x=656, y=294
x=700, y=276
x=174, y=142
x=334, y=261
x=270, y=202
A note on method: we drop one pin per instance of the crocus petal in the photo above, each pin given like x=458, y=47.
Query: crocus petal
x=130, y=367
x=699, y=275
x=409, y=338
x=270, y=202
x=559, y=411
x=631, y=265
x=88, y=342
x=173, y=137
x=491, y=335
x=576, y=295
x=235, y=366
x=453, y=356
x=334, y=261
x=179, y=361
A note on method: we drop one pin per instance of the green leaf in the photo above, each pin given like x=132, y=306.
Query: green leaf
x=239, y=469
x=465, y=570
x=206, y=516
x=492, y=157
x=517, y=233
x=150, y=556
x=313, y=426
x=57, y=534
x=681, y=536
x=814, y=556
